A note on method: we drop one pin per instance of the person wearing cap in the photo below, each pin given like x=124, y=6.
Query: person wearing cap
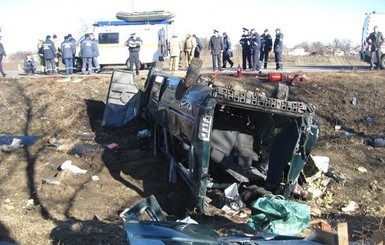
x=175, y=47
x=134, y=43
x=266, y=46
x=49, y=52
x=189, y=49
x=246, y=53
x=216, y=49
x=376, y=39
x=278, y=49
x=2, y=54
x=255, y=47
x=227, y=52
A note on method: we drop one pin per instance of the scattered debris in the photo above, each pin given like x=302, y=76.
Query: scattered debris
x=145, y=133
x=16, y=144
x=145, y=223
x=233, y=200
x=95, y=178
x=278, y=216
x=377, y=141
x=74, y=169
x=51, y=181
x=351, y=207
x=24, y=139
x=113, y=147
x=361, y=169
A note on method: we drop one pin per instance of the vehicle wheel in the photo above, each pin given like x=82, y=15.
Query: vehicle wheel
x=382, y=62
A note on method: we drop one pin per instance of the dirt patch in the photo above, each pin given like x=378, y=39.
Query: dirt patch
x=42, y=204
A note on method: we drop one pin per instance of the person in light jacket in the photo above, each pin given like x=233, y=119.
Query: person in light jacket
x=175, y=48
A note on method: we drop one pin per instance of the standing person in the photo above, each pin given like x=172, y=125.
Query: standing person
x=375, y=39
x=49, y=51
x=55, y=40
x=175, y=47
x=198, y=48
x=266, y=45
x=68, y=49
x=95, y=62
x=278, y=49
x=189, y=48
x=227, y=52
x=216, y=49
x=73, y=40
x=87, y=54
x=246, y=53
x=255, y=46
x=29, y=65
x=2, y=54
x=134, y=43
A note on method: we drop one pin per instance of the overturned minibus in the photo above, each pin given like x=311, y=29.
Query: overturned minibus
x=216, y=130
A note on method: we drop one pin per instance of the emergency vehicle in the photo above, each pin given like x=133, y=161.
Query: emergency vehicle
x=112, y=35
x=371, y=20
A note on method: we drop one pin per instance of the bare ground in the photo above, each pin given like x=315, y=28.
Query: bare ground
x=78, y=210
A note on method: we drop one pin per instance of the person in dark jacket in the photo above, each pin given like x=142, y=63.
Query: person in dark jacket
x=278, y=49
x=255, y=47
x=375, y=39
x=2, y=54
x=29, y=65
x=266, y=46
x=68, y=48
x=227, y=52
x=87, y=53
x=198, y=48
x=216, y=49
x=49, y=52
x=134, y=43
x=246, y=53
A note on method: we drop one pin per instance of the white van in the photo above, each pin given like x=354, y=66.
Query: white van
x=112, y=35
x=371, y=20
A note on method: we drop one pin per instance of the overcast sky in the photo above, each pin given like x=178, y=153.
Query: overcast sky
x=23, y=22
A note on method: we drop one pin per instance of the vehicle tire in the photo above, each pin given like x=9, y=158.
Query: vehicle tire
x=382, y=62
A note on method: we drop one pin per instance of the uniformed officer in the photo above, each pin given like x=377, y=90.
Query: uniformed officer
x=255, y=46
x=68, y=49
x=278, y=49
x=49, y=52
x=266, y=45
x=87, y=54
x=216, y=49
x=246, y=52
x=134, y=43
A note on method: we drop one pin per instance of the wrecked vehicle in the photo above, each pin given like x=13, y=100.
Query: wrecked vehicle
x=215, y=132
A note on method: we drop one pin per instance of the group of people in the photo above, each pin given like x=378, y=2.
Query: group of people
x=51, y=52
x=191, y=48
x=256, y=49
